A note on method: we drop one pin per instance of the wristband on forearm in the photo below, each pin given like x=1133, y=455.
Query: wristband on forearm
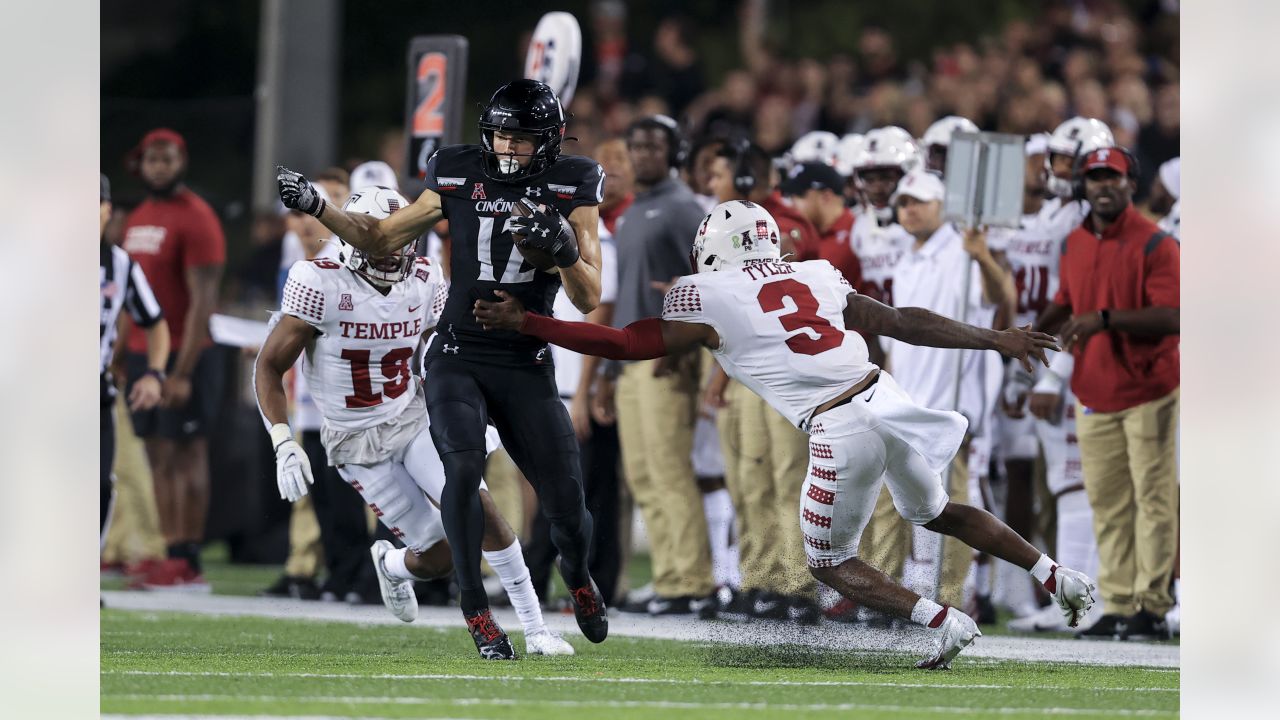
x=280, y=434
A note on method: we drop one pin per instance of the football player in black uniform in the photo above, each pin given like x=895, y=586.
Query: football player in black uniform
x=476, y=375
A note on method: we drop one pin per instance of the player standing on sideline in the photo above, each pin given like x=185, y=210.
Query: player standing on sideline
x=177, y=240
x=797, y=352
x=477, y=375
x=123, y=286
x=360, y=320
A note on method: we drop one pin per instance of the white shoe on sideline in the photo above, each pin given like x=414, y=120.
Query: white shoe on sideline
x=1046, y=619
x=1073, y=592
x=954, y=634
x=545, y=642
x=397, y=595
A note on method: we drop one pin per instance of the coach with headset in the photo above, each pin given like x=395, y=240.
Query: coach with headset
x=656, y=400
x=1117, y=312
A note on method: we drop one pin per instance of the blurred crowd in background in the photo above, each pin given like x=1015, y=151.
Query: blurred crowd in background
x=728, y=73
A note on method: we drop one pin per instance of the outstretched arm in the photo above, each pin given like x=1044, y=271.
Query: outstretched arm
x=919, y=326
x=582, y=279
x=641, y=340
x=374, y=236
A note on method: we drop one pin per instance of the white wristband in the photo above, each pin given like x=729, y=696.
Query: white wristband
x=280, y=432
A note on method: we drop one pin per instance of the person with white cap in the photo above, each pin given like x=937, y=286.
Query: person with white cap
x=373, y=173
x=1166, y=197
x=958, y=276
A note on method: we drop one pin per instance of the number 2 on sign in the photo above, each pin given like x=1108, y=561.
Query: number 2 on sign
x=804, y=318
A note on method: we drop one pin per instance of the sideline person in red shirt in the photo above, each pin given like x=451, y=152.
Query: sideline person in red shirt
x=177, y=240
x=1117, y=311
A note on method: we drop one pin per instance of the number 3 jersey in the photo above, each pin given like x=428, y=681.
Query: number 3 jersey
x=781, y=328
x=359, y=368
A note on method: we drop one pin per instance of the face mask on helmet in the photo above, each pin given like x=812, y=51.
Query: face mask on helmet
x=387, y=270
x=733, y=234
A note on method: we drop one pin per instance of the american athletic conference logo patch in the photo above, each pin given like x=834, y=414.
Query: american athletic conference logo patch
x=344, y=303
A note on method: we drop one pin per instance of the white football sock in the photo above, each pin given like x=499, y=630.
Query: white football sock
x=982, y=577
x=1077, y=545
x=718, y=508
x=514, y=574
x=393, y=564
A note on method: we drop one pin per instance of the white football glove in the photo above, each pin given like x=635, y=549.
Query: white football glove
x=293, y=468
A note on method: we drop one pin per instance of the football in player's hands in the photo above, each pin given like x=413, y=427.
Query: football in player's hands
x=536, y=257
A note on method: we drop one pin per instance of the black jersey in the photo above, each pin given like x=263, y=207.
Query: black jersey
x=483, y=256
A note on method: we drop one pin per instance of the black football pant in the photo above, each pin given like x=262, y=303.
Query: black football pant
x=344, y=528
x=106, y=486
x=600, y=454
x=524, y=405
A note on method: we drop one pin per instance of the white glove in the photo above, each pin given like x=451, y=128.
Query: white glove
x=293, y=469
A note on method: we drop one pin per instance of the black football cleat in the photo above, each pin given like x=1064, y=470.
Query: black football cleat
x=589, y=610
x=490, y=640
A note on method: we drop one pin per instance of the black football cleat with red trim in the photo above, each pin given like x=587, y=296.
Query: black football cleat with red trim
x=590, y=612
x=490, y=640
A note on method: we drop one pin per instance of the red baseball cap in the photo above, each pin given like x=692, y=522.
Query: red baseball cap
x=1107, y=157
x=162, y=135
x=133, y=159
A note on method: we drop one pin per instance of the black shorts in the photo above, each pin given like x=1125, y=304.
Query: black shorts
x=199, y=415
x=523, y=403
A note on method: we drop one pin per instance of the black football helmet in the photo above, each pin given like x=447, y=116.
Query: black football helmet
x=524, y=106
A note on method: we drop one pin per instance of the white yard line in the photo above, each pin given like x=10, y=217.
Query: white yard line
x=504, y=679
x=657, y=704
x=829, y=635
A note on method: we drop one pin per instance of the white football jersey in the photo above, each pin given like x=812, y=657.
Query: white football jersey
x=1058, y=218
x=878, y=249
x=1033, y=254
x=359, y=368
x=781, y=327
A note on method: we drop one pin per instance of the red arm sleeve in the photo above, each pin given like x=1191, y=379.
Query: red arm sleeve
x=641, y=340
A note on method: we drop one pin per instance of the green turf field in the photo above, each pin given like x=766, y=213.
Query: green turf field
x=185, y=664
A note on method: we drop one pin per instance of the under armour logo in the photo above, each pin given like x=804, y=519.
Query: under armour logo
x=533, y=191
x=543, y=231
x=451, y=349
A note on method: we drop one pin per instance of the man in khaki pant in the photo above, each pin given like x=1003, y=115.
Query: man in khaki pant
x=657, y=399
x=1117, y=311
x=655, y=427
x=766, y=459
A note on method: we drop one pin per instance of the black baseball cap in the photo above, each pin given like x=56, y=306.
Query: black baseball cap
x=106, y=189
x=803, y=177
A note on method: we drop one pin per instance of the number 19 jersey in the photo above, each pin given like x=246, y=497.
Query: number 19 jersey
x=781, y=328
x=359, y=368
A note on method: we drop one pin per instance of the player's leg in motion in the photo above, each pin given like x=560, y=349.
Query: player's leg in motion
x=457, y=408
x=537, y=432
x=838, y=498
x=404, y=510
x=501, y=547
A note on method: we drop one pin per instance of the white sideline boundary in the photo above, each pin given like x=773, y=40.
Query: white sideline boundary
x=624, y=625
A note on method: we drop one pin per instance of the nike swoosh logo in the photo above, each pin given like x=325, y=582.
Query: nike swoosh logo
x=869, y=395
x=414, y=309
